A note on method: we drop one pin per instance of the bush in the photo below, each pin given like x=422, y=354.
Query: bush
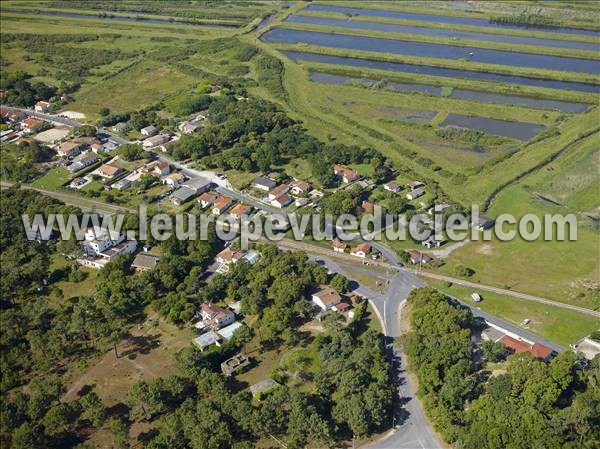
x=463, y=271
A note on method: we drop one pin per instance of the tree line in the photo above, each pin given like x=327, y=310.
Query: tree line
x=529, y=404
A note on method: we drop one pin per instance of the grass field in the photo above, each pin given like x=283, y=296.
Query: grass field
x=54, y=179
x=558, y=325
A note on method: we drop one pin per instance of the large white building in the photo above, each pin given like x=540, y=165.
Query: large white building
x=102, y=245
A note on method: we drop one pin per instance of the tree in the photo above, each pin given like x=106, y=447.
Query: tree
x=131, y=152
x=120, y=433
x=493, y=351
x=340, y=283
x=104, y=112
x=93, y=410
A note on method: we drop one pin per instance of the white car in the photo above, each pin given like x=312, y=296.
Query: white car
x=476, y=297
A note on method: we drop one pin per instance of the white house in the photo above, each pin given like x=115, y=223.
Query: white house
x=326, y=298
x=149, y=131
x=361, y=250
x=216, y=317
x=414, y=194
x=392, y=187
x=281, y=201
x=262, y=183
x=278, y=191
x=42, y=106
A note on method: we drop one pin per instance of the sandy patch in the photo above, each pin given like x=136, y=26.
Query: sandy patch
x=486, y=249
x=73, y=115
x=52, y=135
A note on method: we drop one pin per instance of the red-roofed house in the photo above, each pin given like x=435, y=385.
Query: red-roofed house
x=29, y=123
x=281, y=201
x=368, y=206
x=42, y=106
x=206, y=199
x=326, y=298
x=216, y=317
x=221, y=204
x=300, y=187
x=278, y=191
x=239, y=210
x=514, y=345
x=541, y=352
x=345, y=174
x=338, y=246
x=108, y=170
x=361, y=250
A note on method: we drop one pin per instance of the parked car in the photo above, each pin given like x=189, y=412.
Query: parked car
x=476, y=297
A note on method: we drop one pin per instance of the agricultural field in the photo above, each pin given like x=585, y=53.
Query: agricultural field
x=472, y=117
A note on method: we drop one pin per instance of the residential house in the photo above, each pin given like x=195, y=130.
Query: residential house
x=149, y=131
x=361, y=250
x=144, y=262
x=300, y=187
x=278, y=191
x=69, y=149
x=221, y=204
x=228, y=332
x=414, y=185
x=189, y=127
x=541, y=352
x=174, y=179
x=77, y=182
x=159, y=168
x=101, y=245
x=432, y=242
x=82, y=161
x=206, y=199
x=368, y=206
x=299, y=202
x=338, y=246
x=109, y=170
x=229, y=256
x=215, y=317
x=207, y=339
x=155, y=141
x=12, y=115
x=392, y=187
x=199, y=185
x=417, y=257
x=8, y=135
x=237, y=363
x=326, y=298
x=263, y=183
x=30, y=123
x=121, y=128
x=537, y=350
x=181, y=195
x=481, y=222
x=414, y=194
x=121, y=184
x=345, y=174
x=239, y=210
x=281, y=201
x=42, y=106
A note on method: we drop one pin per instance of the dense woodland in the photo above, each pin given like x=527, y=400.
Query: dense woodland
x=526, y=404
x=196, y=408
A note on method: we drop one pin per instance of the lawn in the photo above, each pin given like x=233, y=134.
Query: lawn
x=54, y=179
x=66, y=289
x=558, y=325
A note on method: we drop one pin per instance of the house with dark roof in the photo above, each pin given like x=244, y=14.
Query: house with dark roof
x=263, y=183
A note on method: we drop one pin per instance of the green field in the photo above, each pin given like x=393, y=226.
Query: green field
x=557, y=325
x=54, y=179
